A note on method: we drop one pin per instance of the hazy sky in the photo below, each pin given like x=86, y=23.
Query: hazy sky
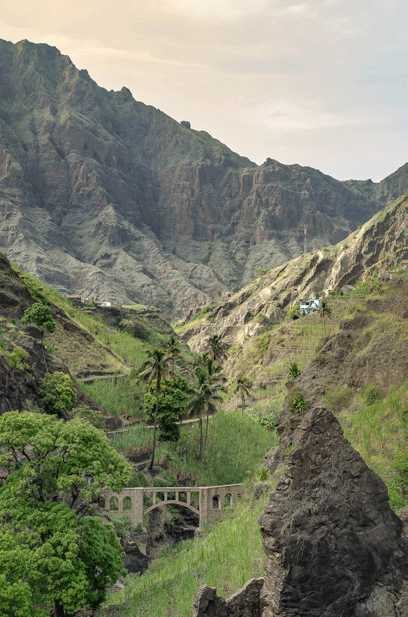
x=320, y=83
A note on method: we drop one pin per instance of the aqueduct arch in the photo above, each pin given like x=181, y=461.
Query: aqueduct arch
x=207, y=502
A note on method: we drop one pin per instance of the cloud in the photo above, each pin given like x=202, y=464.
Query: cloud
x=216, y=9
x=287, y=79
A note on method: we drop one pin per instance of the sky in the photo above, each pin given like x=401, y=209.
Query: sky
x=320, y=83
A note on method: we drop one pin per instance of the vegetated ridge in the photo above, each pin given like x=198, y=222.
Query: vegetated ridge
x=110, y=198
x=354, y=362
x=88, y=343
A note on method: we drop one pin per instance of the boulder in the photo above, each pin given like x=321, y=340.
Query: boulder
x=333, y=546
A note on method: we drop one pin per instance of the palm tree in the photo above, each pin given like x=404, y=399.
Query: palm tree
x=216, y=347
x=243, y=387
x=202, y=399
x=173, y=346
x=325, y=312
x=156, y=367
x=215, y=378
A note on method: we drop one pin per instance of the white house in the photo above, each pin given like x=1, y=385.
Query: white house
x=308, y=306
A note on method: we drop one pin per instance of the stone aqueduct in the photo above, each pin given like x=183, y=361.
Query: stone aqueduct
x=207, y=502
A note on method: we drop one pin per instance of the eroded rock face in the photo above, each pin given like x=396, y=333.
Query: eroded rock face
x=245, y=603
x=104, y=196
x=333, y=545
x=331, y=540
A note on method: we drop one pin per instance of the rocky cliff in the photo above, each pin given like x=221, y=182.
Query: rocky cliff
x=333, y=546
x=374, y=251
x=107, y=197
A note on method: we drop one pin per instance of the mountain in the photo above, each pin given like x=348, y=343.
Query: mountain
x=107, y=197
x=252, y=321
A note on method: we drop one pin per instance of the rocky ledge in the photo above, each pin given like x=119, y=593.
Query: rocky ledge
x=333, y=545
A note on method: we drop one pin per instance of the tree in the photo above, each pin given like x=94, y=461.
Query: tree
x=173, y=346
x=203, y=396
x=57, y=550
x=212, y=374
x=57, y=393
x=172, y=404
x=156, y=368
x=325, y=312
x=216, y=347
x=243, y=387
x=40, y=315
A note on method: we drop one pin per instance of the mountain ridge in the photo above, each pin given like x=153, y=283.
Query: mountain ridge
x=105, y=196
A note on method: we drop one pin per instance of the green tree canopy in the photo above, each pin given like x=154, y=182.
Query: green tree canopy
x=57, y=551
x=39, y=315
x=155, y=368
x=172, y=405
x=202, y=398
x=243, y=386
x=57, y=393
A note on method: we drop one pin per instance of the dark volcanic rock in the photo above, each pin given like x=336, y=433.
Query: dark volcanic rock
x=333, y=545
x=331, y=540
x=245, y=603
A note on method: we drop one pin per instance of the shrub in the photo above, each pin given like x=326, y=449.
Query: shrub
x=85, y=413
x=373, y=392
x=293, y=370
x=293, y=313
x=262, y=474
x=57, y=393
x=298, y=404
x=17, y=358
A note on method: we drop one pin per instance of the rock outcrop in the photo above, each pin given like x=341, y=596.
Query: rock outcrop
x=104, y=196
x=380, y=245
x=333, y=545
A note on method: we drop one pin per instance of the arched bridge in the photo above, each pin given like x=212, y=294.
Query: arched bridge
x=207, y=502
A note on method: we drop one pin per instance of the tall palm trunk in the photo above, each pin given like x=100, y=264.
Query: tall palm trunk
x=206, y=426
x=155, y=418
x=201, y=438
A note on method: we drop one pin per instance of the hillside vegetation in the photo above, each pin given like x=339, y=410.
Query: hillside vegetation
x=352, y=359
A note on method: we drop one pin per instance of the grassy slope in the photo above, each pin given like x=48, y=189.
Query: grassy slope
x=230, y=551
x=225, y=557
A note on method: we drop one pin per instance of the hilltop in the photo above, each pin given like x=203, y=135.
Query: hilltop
x=104, y=196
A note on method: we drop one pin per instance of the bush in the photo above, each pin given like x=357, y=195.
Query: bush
x=57, y=393
x=293, y=313
x=85, y=413
x=17, y=358
x=373, y=392
x=298, y=404
x=293, y=370
x=270, y=419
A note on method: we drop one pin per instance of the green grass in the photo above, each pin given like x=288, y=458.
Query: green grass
x=199, y=316
x=133, y=440
x=229, y=554
x=378, y=428
x=235, y=447
x=131, y=350
x=117, y=397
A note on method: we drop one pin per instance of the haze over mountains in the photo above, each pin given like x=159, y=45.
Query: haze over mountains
x=107, y=197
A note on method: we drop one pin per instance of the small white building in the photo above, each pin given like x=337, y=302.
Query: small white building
x=308, y=306
x=106, y=304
